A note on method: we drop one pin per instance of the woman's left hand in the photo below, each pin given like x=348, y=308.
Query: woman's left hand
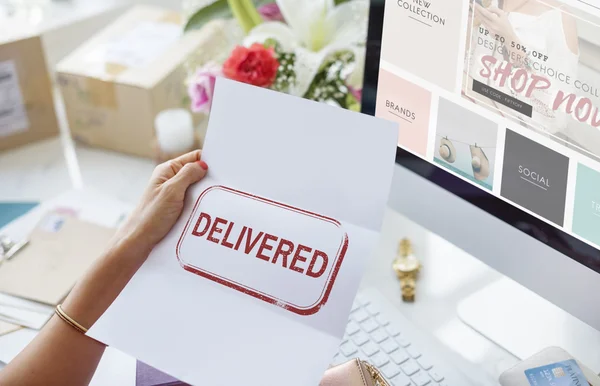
x=496, y=20
x=60, y=352
x=162, y=201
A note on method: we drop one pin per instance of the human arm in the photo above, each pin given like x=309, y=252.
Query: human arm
x=61, y=355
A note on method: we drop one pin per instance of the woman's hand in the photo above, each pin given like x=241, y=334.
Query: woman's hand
x=156, y=213
x=496, y=20
x=60, y=352
x=162, y=202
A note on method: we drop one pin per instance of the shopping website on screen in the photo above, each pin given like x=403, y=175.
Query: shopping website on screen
x=504, y=94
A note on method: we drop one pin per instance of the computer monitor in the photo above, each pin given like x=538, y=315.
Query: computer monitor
x=498, y=108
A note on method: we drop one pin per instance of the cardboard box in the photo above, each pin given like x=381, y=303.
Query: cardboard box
x=62, y=25
x=115, y=84
x=29, y=39
x=26, y=103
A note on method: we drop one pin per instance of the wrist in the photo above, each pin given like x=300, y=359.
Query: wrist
x=132, y=241
x=96, y=291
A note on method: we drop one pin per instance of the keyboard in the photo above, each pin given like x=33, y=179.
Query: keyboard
x=378, y=333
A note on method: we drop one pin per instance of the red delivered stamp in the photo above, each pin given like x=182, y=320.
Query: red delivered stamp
x=272, y=251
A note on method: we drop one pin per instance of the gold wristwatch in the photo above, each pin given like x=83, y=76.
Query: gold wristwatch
x=407, y=268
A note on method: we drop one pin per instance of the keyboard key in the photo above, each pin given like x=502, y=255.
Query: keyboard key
x=392, y=330
x=389, y=346
x=360, y=338
x=379, y=335
x=370, y=336
x=399, y=356
x=336, y=359
x=410, y=367
x=372, y=309
x=382, y=320
x=339, y=359
x=363, y=357
x=390, y=370
x=348, y=349
x=413, y=352
x=421, y=378
x=425, y=363
x=401, y=380
x=379, y=359
x=369, y=325
x=360, y=315
x=402, y=341
x=435, y=376
x=352, y=328
x=362, y=299
x=370, y=348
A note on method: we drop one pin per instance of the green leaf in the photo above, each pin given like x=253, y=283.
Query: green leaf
x=329, y=83
x=239, y=11
x=252, y=11
x=338, y=2
x=352, y=103
x=217, y=10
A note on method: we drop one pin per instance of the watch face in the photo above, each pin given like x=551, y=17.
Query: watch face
x=406, y=264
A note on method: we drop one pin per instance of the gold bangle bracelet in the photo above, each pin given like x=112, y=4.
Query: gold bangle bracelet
x=70, y=321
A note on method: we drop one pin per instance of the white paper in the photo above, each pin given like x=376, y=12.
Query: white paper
x=87, y=205
x=24, y=312
x=245, y=320
x=13, y=116
x=115, y=368
x=143, y=44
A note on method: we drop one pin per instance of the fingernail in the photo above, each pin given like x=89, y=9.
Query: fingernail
x=203, y=165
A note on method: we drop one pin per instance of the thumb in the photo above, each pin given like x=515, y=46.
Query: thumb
x=189, y=174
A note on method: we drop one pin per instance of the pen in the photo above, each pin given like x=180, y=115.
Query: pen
x=16, y=247
x=9, y=248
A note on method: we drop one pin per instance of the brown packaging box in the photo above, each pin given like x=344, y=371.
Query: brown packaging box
x=26, y=103
x=115, y=84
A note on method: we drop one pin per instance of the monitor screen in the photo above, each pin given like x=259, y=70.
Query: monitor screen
x=497, y=101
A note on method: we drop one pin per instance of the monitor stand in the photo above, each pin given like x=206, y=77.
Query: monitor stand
x=523, y=323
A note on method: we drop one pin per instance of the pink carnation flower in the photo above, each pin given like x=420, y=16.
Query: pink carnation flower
x=356, y=93
x=201, y=87
x=271, y=12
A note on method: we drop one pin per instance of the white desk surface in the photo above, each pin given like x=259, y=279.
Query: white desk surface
x=447, y=277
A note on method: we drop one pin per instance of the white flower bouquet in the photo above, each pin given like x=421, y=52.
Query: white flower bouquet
x=309, y=48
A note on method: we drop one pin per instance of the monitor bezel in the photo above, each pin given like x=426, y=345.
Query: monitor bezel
x=540, y=230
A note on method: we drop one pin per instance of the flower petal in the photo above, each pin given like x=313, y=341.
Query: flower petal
x=308, y=64
x=350, y=21
x=355, y=80
x=306, y=67
x=303, y=15
x=273, y=30
x=271, y=12
x=201, y=85
x=331, y=102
